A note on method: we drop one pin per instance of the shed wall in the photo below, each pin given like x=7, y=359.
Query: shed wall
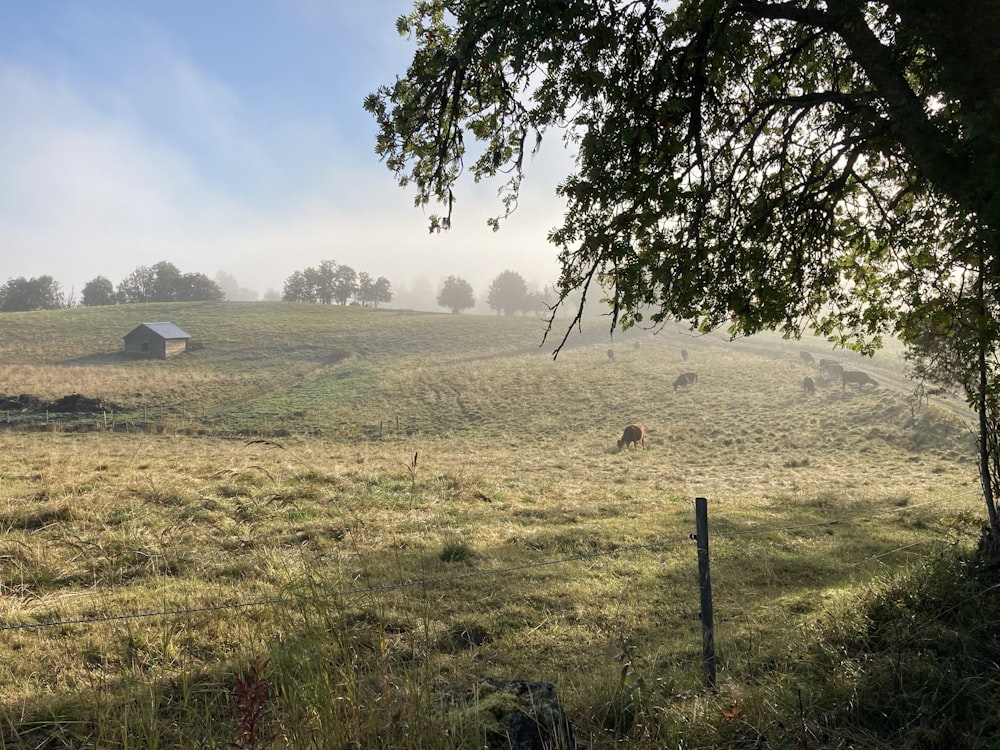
x=173, y=346
x=145, y=343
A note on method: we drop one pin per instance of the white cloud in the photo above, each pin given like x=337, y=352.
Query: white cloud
x=65, y=165
x=163, y=164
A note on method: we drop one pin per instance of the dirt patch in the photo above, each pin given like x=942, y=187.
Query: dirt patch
x=24, y=402
x=73, y=403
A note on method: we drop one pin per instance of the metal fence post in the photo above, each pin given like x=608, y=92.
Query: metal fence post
x=705, y=585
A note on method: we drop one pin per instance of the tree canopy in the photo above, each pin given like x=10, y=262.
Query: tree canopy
x=778, y=164
x=456, y=294
x=332, y=282
x=344, y=284
x=762, y=164
x=508, y=293
x=164, y=282
x=372, y=292
x=98, y=291
x=39, y=293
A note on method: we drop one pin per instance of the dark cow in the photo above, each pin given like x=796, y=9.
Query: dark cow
x=685, y=379
x=809, y=385
x=825, y=364
x=857, y=377
x=806, y=357
x=833, y=369
x=611, y=354
x=634, y=435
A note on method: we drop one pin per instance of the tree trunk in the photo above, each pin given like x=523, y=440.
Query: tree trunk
x=987, y=437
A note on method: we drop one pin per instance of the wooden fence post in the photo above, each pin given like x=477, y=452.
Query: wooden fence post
x=705, y=585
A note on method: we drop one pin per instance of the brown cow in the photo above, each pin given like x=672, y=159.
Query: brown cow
x=809, y=385
x=634, y=435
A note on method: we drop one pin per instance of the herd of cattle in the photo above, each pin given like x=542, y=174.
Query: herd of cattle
x=832, y=368
x=634, y=434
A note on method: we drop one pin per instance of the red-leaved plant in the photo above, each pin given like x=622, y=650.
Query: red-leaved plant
x=251, y=703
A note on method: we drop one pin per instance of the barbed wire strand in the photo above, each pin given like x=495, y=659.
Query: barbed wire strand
x=657, y=547
x=342, y=593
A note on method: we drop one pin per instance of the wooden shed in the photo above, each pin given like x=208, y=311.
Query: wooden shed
x=156, y=340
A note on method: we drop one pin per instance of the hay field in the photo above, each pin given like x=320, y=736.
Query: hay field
x=445, y=497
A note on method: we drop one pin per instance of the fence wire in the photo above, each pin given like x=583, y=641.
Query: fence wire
x=659, y=546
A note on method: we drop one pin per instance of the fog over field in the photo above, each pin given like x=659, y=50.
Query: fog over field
x=227, y=138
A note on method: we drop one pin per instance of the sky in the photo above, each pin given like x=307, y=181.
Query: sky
x=228, y=136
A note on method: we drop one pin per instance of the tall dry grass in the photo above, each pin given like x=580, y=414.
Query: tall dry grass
x=435, y=514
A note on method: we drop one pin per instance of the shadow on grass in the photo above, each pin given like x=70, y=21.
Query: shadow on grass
x=102, y=359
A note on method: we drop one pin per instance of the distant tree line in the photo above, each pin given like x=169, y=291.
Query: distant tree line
x=40, y=293
x=329, y=283
x=162, y=282
x=508, y=294
x=333, y=283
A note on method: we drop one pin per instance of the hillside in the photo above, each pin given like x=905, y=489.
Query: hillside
x=404, y=502
x=278, y=368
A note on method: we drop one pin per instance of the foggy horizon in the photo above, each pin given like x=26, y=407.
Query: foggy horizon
x=229, y=139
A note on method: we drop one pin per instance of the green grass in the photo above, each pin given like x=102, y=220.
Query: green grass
x=303, y=469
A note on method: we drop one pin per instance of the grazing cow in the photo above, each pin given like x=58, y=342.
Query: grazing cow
x=684, y=354
x=685, y=379
x=833, y=370
x=825, y=364
x=634, y=435
x=809, y=385
x=858, y=377
x=806, y=357
x=611, y=354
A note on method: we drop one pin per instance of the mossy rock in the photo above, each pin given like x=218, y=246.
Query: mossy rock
x=511, y=715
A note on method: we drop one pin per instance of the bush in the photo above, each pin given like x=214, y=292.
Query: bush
x=913, y=663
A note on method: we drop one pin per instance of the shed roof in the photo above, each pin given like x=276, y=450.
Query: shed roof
x=164, y=330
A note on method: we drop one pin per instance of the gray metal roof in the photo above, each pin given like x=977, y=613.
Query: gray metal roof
x=166, y=330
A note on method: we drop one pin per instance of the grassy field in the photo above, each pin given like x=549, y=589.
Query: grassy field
x=384, y=504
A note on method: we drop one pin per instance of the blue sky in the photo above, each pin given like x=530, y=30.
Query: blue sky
x=225, y=135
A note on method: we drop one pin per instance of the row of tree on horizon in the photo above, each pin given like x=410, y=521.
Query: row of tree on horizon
x=328, y=283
